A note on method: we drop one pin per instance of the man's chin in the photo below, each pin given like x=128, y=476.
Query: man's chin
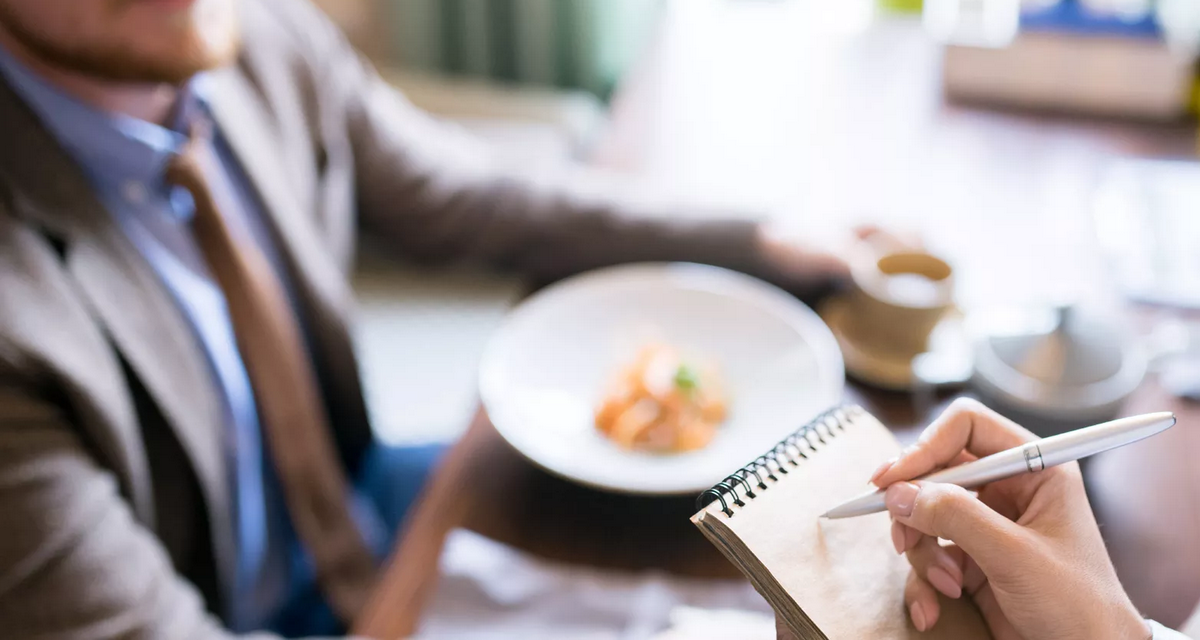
x=175, y=67
x=190, y=54
x=173, y=70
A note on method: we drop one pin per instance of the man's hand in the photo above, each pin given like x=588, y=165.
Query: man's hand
x=806, y=262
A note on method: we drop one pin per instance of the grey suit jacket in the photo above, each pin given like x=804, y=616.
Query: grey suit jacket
x=115, y=515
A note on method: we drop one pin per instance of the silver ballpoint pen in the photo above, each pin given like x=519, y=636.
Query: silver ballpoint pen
x=1027, y=458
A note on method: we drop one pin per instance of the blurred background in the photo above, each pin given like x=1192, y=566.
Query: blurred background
x=1045, y=149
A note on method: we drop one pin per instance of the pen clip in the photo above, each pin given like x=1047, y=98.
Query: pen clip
x=1033, y=457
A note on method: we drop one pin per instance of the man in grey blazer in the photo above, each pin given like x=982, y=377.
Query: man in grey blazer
x=140, y=495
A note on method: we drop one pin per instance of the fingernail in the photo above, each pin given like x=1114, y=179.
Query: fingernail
x=917, y=613
x=944, y=582
x=898, y=538
x=882, y=470
x=949, y=565
x=901, y=497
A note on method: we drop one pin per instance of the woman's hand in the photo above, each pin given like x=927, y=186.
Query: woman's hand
x=1027, y=550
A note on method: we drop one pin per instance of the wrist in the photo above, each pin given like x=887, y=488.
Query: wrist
x=1125, y=624
x=791, y=258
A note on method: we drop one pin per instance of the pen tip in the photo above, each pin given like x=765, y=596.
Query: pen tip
x=824, y=516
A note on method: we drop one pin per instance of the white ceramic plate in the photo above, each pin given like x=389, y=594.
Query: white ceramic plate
x=546, y=370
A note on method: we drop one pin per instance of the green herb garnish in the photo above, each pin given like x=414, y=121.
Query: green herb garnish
x=686, y=379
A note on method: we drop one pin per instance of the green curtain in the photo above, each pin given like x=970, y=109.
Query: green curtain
x=582, y=44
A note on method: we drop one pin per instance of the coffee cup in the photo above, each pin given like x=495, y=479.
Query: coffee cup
x=898, y=299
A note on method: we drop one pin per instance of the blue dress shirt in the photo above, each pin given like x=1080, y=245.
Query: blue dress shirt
x=124, y=159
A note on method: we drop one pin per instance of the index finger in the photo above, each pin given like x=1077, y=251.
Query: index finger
x=967, y=425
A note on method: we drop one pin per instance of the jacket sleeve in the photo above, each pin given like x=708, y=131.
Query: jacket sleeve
x=434, y=193
x=74, y=563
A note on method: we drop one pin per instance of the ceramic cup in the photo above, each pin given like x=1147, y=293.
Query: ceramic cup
x=898, y=299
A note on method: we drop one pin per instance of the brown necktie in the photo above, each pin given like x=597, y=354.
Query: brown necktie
x=285, y=388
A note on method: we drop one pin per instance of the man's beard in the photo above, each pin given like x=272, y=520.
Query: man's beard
x=117, y=63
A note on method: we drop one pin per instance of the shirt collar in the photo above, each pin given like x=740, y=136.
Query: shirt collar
x=113, y=148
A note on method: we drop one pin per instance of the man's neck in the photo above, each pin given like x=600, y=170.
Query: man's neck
x=145, y=101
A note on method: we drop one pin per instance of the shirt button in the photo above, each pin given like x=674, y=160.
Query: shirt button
x=134, y=192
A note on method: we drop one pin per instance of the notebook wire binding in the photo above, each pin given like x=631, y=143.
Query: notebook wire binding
x=788, y=452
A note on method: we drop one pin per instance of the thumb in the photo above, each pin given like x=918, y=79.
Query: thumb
x=952, y=513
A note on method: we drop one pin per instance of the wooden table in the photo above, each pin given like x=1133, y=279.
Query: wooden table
x=782, y=105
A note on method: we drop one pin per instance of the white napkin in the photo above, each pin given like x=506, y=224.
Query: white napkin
x=489, y=591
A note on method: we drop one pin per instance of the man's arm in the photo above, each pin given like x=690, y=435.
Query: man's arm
x=438, y=194
x=74, y=563
x=435, y=193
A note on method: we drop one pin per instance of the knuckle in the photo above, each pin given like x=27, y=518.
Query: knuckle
x=942, y=506
x=919, y=454
x=967, y=405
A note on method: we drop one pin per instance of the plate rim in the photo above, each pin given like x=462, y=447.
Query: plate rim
x=828, y=352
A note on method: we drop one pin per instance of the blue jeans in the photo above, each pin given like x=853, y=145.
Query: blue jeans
x=391, y=478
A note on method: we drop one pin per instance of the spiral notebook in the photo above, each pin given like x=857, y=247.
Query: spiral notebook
x=824, y=578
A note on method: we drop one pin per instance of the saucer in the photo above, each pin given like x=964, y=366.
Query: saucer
x=947, y=362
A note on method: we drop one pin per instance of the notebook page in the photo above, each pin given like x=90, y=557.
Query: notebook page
x=844, y=574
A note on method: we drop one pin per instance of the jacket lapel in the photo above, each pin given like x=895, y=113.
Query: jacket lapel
x=245, y=123
x=243, y=120
x=127, y=299
x=152, y=334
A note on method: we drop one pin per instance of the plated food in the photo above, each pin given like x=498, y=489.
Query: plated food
x=663, y=403
x=548, y=370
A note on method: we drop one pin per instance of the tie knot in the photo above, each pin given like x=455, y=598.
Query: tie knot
x=184, y=169
x=199, y=130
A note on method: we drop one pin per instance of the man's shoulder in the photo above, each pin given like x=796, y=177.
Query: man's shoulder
x=294, y=29
x=292, y=55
